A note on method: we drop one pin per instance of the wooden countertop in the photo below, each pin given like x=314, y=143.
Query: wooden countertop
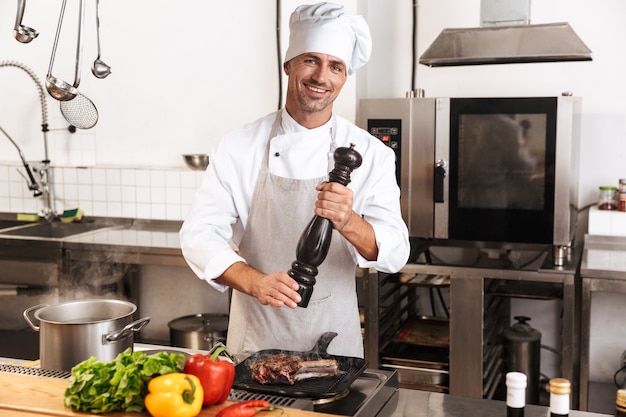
x=26, y=395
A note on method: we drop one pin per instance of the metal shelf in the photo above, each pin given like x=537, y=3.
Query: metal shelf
x=479, y=306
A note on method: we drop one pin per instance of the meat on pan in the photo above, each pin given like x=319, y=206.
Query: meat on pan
x=283, y=368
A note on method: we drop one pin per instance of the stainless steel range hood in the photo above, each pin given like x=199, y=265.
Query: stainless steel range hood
x=553, y=42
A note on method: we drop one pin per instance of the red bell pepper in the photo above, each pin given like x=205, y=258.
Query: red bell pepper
x=216, y=376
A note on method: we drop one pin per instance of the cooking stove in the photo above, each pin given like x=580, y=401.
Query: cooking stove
x=373, y=394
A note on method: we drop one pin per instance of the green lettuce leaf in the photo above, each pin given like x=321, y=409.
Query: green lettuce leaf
x=118, y=385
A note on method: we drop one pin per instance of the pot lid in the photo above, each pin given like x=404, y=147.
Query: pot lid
x=202, y=323
x=522, y=331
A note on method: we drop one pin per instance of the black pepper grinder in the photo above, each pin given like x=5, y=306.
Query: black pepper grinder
x=315, y=239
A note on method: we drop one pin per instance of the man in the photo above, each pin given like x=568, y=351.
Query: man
x=265, y=182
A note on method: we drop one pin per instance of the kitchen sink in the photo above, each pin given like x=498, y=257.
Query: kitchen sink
x=52, y=230
x=5, y=224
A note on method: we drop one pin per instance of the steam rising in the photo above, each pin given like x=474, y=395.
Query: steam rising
x=87, y=279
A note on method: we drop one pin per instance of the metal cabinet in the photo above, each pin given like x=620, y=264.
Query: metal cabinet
x=603, y=269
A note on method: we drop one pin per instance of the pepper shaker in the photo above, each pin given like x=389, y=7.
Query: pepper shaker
x=315, y=239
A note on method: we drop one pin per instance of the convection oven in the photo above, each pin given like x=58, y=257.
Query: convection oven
x=500, y=170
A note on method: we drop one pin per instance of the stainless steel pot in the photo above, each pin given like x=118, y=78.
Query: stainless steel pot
x=198, y=331
x=74, y=331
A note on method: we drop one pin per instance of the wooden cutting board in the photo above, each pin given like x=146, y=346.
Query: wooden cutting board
x=26, y=395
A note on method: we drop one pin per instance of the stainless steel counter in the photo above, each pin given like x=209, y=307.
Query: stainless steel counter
x=125, y=240
x=56, y=246
x=140, y=242
x=603, y=269
x=412, y=403
x=604, y=257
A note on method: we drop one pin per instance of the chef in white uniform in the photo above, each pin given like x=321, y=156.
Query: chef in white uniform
x=265, y=182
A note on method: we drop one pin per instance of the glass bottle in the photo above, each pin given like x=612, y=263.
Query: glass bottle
x=560, y=389
x=620, y=403
x=621, y=202
x=607, y=200
x=515, y=394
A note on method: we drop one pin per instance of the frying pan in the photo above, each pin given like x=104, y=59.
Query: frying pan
x=350, y=368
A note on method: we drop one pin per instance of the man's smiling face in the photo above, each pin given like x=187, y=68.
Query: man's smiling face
x=315, y=81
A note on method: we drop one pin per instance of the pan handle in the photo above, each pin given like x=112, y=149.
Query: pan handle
x=134, y=326
x=224, y=352
x=322, y=344
x=27, y=312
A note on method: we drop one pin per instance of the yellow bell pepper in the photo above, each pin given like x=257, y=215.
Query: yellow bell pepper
x=174, y=395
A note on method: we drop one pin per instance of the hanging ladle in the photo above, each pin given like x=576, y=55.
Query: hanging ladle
x=23, y=34
x=57, y=88
x=99, y=69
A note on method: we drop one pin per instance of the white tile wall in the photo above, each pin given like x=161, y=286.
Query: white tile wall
x=157, y=194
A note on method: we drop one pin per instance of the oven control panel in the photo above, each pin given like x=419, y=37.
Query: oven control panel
x=389, y=132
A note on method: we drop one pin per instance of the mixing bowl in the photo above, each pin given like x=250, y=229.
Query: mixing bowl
x=197, y=161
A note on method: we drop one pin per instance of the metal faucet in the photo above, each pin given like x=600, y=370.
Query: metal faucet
x=43, y=187
x=32, y=183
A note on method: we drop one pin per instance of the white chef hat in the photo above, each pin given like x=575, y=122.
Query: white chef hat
x=327, y=29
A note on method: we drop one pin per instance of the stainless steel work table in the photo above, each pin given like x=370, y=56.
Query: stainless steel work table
x=603, y=269
x=141, y=242
x=133, y=241
x=98, y=241
x=467, y=321
x=413, y=403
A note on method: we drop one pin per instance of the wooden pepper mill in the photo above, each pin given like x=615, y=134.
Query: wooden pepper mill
x=315, y=239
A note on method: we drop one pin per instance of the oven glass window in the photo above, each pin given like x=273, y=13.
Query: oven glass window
x=502, y=161
x=502, y=169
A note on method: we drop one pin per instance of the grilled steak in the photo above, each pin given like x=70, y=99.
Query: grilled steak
x=283, y=368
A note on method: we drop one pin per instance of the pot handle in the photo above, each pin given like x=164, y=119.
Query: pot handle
x=134, y=326
x=27, y=312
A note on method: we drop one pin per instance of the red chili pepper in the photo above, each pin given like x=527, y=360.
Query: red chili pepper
x=216, y=376
x=240, y=412
x=253, y=403
x=246, y=408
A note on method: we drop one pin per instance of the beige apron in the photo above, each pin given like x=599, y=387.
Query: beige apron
x=280, y=210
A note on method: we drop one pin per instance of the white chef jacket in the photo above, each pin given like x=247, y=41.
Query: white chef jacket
x=220, y=211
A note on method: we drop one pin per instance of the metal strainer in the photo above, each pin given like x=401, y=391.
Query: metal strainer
x=80, y=112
